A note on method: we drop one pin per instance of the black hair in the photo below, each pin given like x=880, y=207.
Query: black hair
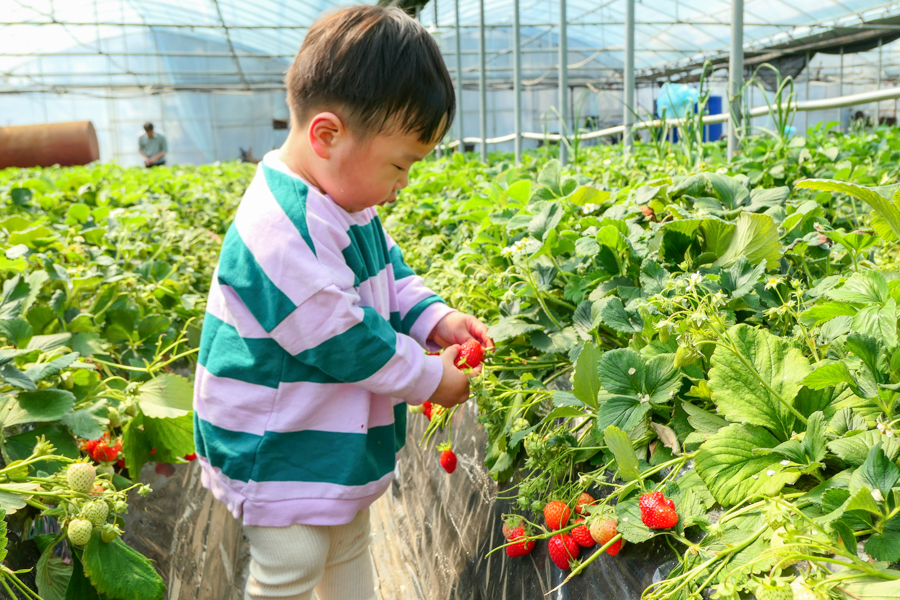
x=377, y=68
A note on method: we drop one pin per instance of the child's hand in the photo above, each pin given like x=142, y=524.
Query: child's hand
x=454, y=386
x=458, y=328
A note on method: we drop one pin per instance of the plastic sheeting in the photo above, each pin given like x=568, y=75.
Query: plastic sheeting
x=431, y=536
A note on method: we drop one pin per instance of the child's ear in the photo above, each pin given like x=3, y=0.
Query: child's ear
x=325, y=129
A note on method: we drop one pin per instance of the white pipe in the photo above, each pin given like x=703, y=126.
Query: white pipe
x=759, y=111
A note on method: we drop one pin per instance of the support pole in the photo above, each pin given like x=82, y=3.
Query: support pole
x=517, y=80
x=841, y=89
x=482, y=82
x=878, y=105
x=736, y=74
x=806, y=96
x=563, y=83
x=460, y=116
x=628, y=116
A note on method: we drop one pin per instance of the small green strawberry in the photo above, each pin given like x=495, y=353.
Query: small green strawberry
x=80, y=477
x=80, y=531
x=774, y=590
x=109, y=533
x=685, y=356
x=96, y=512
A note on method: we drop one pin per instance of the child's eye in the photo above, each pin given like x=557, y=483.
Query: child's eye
x=399, y=167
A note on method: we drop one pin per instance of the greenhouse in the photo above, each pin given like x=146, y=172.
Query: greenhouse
x=449, y=299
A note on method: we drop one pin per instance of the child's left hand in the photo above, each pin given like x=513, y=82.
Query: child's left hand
x=457, y=328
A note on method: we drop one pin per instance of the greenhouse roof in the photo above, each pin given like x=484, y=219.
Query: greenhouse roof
x=241, y=45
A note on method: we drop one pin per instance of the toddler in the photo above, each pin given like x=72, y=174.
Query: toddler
x=313, y=339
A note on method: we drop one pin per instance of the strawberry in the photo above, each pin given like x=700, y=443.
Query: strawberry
x=426, y=409
x=603, y=530
x=80, y=477
x=96, y=512
x=109, y=533
x=471, y=354
x=657, y=511
x=522, y=548
x=190, y=457
x=774, y=591
x=556, y=514
x=104, y=452
x=510, y=524
x=79, y=531
x=88, y=446
x=584, y=499
x=563, y=549
x=582, y=535
x=448, y=458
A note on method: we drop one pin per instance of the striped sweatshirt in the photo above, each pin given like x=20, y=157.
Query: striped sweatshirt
x=312, y=345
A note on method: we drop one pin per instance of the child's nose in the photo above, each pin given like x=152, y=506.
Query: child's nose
x=402, y=182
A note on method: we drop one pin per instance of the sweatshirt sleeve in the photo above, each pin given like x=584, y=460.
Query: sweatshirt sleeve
x=420, y=308
x=296, y=303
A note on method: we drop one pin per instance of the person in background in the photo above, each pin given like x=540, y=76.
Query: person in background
x=153, y=147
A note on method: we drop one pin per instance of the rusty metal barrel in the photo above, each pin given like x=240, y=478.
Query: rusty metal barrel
x=45, y=145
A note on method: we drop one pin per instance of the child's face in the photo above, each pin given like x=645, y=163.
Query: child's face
x=370, y=172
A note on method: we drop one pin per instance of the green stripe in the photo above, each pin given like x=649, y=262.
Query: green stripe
x=322, y=456
x=396, y=322
x=357, y=353
x=291, y=194
x=401, y=269
x=367, y=253
x=416, y=311
x=260, y=361
x=400, y=425
x=238, y=268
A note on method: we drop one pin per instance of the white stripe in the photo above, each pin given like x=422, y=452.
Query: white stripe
x=225, y=305
x=327, y=314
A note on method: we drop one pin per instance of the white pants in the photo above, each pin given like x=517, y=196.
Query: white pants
x=290, y=562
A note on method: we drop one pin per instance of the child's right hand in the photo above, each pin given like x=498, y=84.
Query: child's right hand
x=454, y=386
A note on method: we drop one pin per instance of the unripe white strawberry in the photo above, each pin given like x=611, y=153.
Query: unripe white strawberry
x=80, y=531
x=80, y=477
x=96, y=512
x=106, y=470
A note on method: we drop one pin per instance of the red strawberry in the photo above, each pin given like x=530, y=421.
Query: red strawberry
x=556, y=514
x=520, y=549
x=88, y=446
x=583, y=500
x=582, y=535
x=563, y=549
x=471, y=354
x=604, y=530
x=103, y=452
x=448, y=458
x=427, y=409
x=512, y=523
x=657, y=511
x=190, y=457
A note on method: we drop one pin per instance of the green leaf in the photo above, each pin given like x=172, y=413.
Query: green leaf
x=886, y=209
x=550, y=176
x=172, y=438
x=736, y=376
x=845, y=420
x=739, y=279
x=633, y=530
x=52, y=576
x=828, y=375
x=10, y=502
x=588, y=195
x=866, y=287
x=732, y=470
x=80, y=587
x=587, y=246
x=755, y=238
x=814, y=440
x=510, y=327
x=136, y=446
x=821, y=313
x=42, y=371
x=653, y=277
x=871, y=588
x=21, y=445
x=34, y=407
x=626, y=460
x=166, y=396
x=847, y=539
x=49, y=343
x=622, y=411
x=703, y=421
x=557, y=342
x=16, y=378
x=614, y=314
x=18, y=331
x=88, y=422
x=583, y=320
x=586, y=382
x=623, y=373
x=879, y=322
x=120, y=572
x=729, y=190
x=855, y=449
x=547, y=219
x=879, y=471
x=886, y=545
